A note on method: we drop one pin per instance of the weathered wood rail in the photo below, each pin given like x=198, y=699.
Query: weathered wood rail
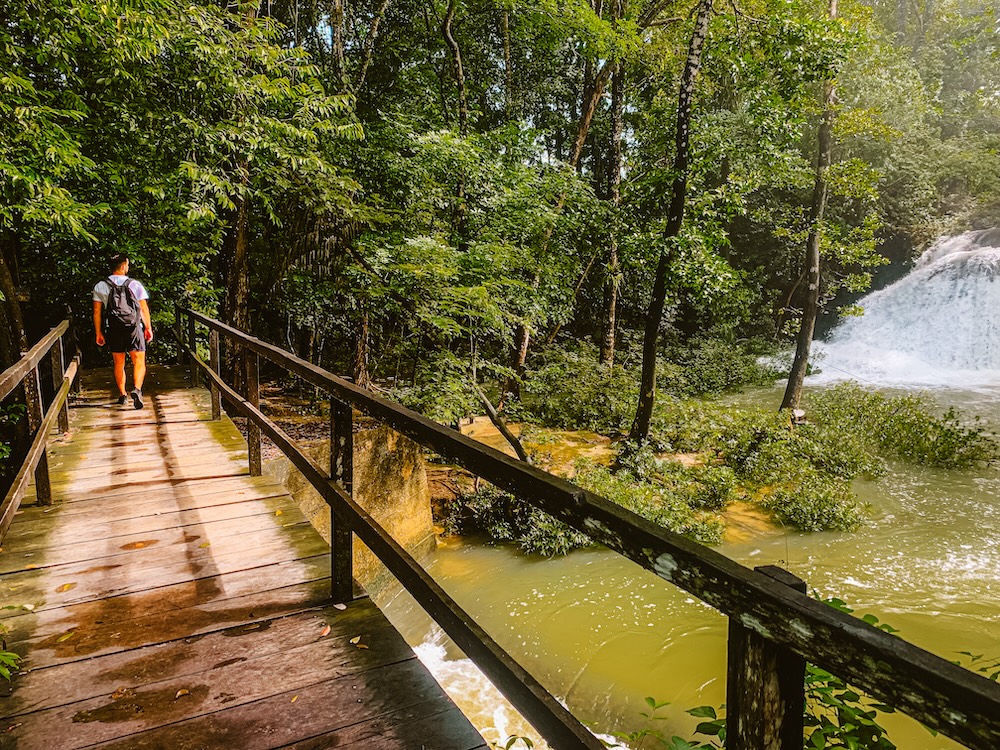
x=774, y=626
x=26, y=373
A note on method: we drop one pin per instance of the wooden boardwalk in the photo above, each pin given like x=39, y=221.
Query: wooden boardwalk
x=170, y=600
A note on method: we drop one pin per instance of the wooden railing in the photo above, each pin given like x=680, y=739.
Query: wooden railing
x=774, y=626
x=26, y=373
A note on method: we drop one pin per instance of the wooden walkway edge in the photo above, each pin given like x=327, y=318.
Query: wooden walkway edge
x=169, y=600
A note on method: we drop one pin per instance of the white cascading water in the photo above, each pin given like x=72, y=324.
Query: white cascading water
x=937, y=326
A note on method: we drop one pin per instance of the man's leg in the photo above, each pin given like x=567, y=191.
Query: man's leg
x=138, y=375
x=119, y=359
x=138, y=368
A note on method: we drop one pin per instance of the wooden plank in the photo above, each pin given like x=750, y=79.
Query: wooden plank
x=145, y=568
x=183, y=610
x=275, y=721
x=30, y=538
x=125, y=505
x=99, y=676
x=76, y=548
x=424, y=725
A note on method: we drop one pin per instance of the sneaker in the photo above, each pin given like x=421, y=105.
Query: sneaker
x=137, y=398
x=122, y=399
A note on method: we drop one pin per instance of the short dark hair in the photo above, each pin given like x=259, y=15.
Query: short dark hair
x=115, y=261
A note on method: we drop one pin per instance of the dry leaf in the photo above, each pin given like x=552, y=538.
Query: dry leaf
x=361, y=645
x=65, y=587
x=326, y=632
x=356, y=639
x=277, y=512
x=203, y=545
x=122, y=692
x=341, y=607
x=30, y=567
x=66, y=636
x=29, y=607
x=182, y=691
x=295, y=698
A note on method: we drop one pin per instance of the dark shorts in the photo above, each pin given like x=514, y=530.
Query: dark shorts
x=120, y=340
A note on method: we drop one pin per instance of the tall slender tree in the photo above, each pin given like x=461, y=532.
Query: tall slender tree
x=675, y=220
x=813, y=256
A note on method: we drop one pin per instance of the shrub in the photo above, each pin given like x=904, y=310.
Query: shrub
x=569, y=388
x=705, y=365
x=904, y=427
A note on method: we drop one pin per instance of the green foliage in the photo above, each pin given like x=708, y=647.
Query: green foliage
x=507, y=519
x=566, y=387
x=706, y=365
x=904, y=427
x=444, y=391
x=8, y=663
x=803, y=475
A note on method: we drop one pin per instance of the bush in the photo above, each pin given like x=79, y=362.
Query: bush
x=569, y=388
x=802, y=475
x=704, y=366
x=904, y=427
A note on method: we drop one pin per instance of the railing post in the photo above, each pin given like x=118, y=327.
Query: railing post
x=251, y=363
x=342, y=472
x=179, y=335
x=193, y=346
x=74, y=349
x=215, y=362
x=33, y=400
x=56, y=357
x=765, y=685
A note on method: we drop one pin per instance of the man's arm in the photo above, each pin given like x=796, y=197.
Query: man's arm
x=147, y=331
x=98, y=334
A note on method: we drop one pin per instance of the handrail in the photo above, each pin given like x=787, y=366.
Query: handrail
x=25, y=372
x=938, y=693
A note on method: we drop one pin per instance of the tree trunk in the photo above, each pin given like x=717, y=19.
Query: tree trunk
x=15, y=338
x=803, y=344
x=611, y=274
x=362, y=377
x=236, y=274
x=337, y=31
x=456, y=57
x=370, y=44
x=675, y=219
x=508, y=67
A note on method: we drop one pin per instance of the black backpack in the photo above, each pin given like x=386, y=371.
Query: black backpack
x=122, y=307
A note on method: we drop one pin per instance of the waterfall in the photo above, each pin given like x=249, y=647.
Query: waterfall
x=938, y=325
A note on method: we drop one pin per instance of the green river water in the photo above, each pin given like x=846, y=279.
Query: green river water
x=601, y=633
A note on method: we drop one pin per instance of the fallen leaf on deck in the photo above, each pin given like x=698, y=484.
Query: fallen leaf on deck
x=182, y=691
x=295, y=699
x=361, y=645
x=28, y=567
x=326, y=631
x=340, y=606
x=356, y=639
x=65, y=587
x=205, y=544
x=122, y=692
x=66, y=636
x=29, y=607
x=277, y=512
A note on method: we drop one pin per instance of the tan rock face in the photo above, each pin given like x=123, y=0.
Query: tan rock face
x=390, y=483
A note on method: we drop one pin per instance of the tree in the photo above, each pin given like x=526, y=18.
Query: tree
x=675, y=218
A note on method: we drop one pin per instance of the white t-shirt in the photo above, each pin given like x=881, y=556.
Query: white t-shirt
x=103, y=289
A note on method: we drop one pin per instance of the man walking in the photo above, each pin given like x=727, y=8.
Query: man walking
x=121, y=312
